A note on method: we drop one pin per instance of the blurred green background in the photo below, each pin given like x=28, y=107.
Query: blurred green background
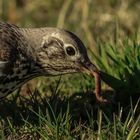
x=90, y=19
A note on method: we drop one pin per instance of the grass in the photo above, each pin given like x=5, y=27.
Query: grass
x=65, y=108
x=55, y=120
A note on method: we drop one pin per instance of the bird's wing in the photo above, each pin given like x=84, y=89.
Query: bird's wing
x=2, y=66
x=3, y=59
x=5, y=49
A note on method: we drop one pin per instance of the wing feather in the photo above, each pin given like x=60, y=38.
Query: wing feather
x=2, y=67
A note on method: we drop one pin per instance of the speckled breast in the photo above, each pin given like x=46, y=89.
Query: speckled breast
x=17, y=77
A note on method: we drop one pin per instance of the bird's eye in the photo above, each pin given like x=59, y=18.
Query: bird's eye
x=70, y=51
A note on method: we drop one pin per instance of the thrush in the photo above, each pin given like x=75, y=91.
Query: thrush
x=26, y=53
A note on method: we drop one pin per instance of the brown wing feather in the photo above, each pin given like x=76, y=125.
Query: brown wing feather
x=8, y=51
x=5, y=42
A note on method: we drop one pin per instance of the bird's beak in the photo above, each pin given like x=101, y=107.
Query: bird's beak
x=89, y=68
x=92, y=70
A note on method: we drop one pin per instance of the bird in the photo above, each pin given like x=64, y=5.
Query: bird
x=26, y=53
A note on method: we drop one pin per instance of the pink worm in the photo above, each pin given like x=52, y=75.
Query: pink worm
x=98, y=87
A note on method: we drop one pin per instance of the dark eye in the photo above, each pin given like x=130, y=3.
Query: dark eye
x=70, y=51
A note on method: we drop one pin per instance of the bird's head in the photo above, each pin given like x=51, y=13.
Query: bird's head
x=60, y=52
x=63, y=52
